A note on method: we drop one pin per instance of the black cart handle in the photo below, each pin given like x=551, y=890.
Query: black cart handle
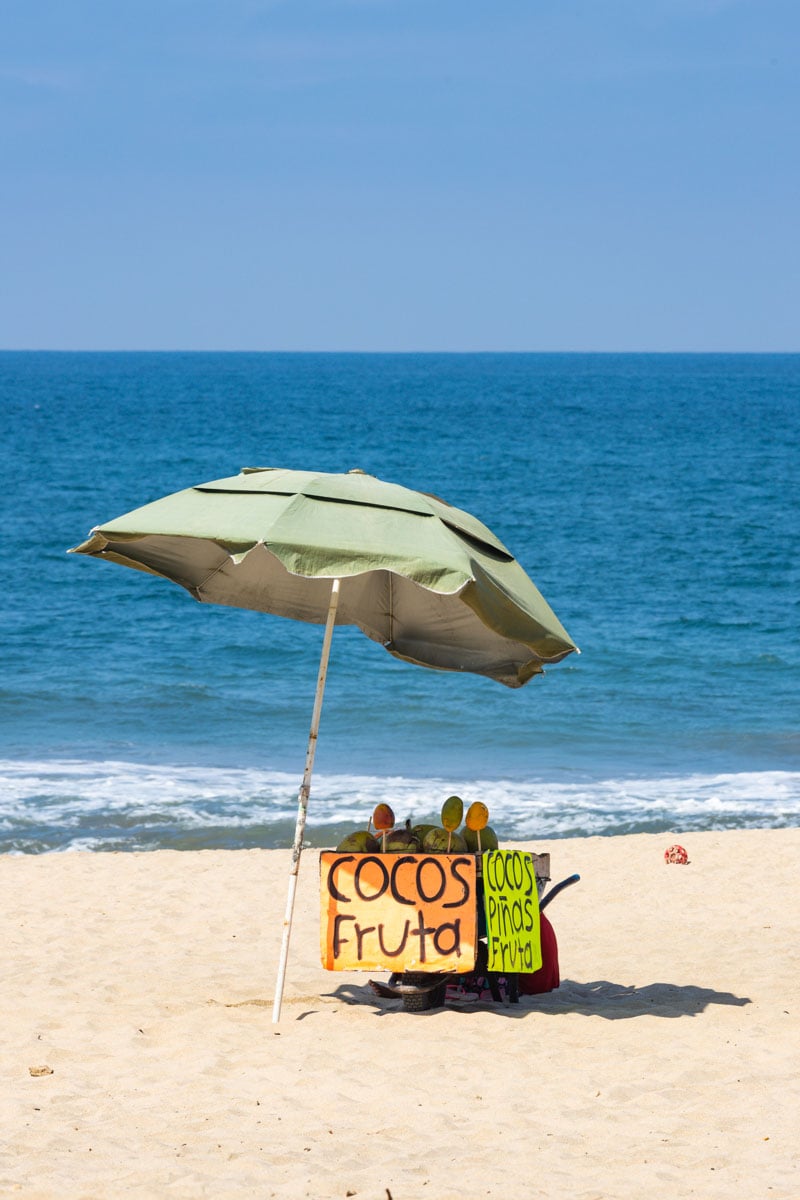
x=558, y=887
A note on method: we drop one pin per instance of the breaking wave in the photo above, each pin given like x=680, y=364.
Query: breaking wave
x=114, y=805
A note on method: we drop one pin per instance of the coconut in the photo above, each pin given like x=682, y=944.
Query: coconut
x=487, y=835
x=359, y=842
x=441, y=841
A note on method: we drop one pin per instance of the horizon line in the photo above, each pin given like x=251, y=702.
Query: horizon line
x=244, y=350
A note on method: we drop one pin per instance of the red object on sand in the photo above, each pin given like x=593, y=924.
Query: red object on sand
x=547, y=978
x=676, y=854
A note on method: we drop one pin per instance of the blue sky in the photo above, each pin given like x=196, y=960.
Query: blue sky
x=400, y=175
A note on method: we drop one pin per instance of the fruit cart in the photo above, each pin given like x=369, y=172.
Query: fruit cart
x=434, y=906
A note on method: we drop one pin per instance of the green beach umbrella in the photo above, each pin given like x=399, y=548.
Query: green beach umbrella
x=429, y=582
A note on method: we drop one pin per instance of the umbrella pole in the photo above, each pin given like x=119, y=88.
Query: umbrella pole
x=302, y=799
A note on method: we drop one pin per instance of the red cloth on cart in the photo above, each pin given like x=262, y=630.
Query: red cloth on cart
x=547, y=978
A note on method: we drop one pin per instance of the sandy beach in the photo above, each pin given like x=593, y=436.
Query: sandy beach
x=139, y=1058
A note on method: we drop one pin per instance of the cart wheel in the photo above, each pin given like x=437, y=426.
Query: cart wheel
x=430, y=997
x=419, y=1003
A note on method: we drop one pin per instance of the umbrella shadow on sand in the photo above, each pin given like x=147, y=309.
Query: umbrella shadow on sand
x=600, y=998
x=616, y=1001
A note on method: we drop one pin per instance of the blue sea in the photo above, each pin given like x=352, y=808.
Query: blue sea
x=652, y=498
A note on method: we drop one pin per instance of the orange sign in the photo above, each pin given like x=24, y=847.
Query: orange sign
x=397, y=912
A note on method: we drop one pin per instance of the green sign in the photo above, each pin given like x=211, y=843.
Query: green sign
x=512, y=911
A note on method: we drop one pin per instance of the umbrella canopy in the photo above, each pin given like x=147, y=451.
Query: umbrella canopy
x=429, y=582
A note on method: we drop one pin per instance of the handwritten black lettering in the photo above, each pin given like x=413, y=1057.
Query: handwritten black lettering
x=465, y=892
x=360, y=935
x=421, y=932
x=454, y=929
x=396, y=893
x=338, y=940
x=511, y=905
x=368, y=861
x=332, y=888
x=401, y=945
x=437, y=895
x=432, y=885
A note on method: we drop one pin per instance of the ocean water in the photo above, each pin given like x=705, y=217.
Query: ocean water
x=652, y=498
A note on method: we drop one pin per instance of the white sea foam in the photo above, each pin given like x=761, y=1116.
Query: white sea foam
x=81, y=804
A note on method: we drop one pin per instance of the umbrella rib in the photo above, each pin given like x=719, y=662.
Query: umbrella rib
x=219, y=567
